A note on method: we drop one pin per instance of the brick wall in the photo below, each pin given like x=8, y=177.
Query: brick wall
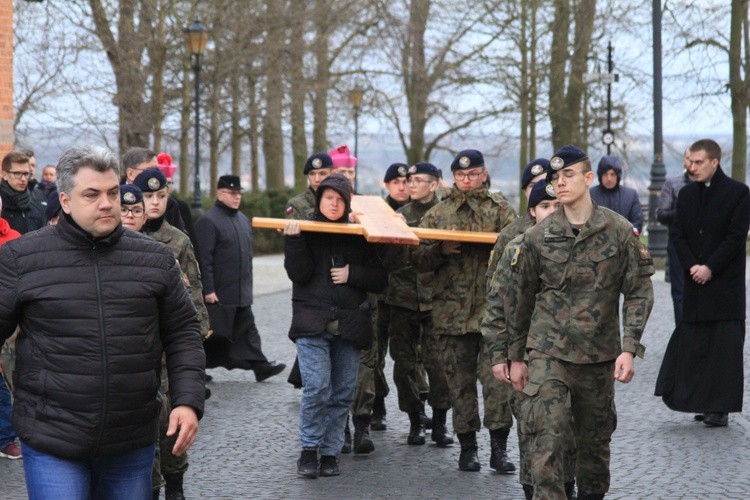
x=6, y=76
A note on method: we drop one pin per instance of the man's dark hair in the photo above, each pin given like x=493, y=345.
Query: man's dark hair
x=15, y=156
x=94, y=157
x=28, y=152
x=712, y=149
x=135, y=156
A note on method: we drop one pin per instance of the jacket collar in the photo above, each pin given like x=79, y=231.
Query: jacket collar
x=73, y=233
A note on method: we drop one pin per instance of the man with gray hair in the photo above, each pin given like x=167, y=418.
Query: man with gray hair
x=97, y=306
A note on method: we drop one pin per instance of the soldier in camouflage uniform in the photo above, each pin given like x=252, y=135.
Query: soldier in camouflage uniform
x=317, y=167
x=569, y=272
x=169, y=469
x=533, y=172
x=500, y=299
x=459, y=298
x=410, y=299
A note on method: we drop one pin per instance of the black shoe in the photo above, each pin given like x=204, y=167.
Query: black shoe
x=377, y=422
x=362, y=442
x=267, y=370
x=347, y=448
x=468, y=460
x=416, y=430
x=208, y=377
x=499, y=457
x=528, y=491
x=570, y=489
x=700, y=417
x=440, y=433
x=716, y=420
x=173, y=486
x=307, y=465
x=329, y=466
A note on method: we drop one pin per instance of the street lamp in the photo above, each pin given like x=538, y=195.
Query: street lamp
x=196, y=37
x=355, y=97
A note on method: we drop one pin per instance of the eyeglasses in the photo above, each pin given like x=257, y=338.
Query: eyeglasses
x=472, y=176
x=416, y=180
x=170, y=183
x=567, y=175
x=135, y=212
x=19, y=175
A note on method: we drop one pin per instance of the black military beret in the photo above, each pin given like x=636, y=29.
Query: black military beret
x=566, y=156
x=424, y=168
x=468, y=158
x=395, y=171
x=129, y=194
x=540, y=192
x=534, y=168
x=229, y=182
x=150, y=180
x=53, y=204
x=318, y=160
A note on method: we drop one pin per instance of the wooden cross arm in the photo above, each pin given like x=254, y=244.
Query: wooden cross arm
x=419, y=232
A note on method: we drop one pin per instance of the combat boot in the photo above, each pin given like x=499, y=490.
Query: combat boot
x=570, y=489
x=590, y=496
x=155, y=494
x=173, y=486
x=439, y=431
x=427, y=420
x=499, y=457
x=528, y=491
x=362, y=442
x=468, y=460
x=378, y=415
x=347, y=448
x=416, y=431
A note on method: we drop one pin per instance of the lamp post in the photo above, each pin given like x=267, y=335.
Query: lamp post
x=657, y=233
x=196, y=37
x=355, y=97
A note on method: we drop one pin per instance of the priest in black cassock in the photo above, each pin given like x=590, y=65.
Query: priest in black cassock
x=702, y=370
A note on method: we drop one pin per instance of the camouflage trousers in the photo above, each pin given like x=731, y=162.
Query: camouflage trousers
x=465, y=359
x=382, y=331
x=414, y=350
x=546, y=416
x=164, y=461
x=516, y=400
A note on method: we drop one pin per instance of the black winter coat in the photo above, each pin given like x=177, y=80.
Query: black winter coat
x=95, y=316
x=225, y=253
x=710, y=227
x=316, y=300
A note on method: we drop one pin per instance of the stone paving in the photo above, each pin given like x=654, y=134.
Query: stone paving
x=247, y=445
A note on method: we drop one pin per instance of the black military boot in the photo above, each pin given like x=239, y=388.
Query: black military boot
x=173, y=486
x=347, y=448
x=439, y=431
x=416, y=431
x=570, y=489
x=590, y=496
x=427, y=420
x=528, y=491
x=499, y=457
x=468, y=460
x=155, y=494
x=378, y=414
x=362, y=442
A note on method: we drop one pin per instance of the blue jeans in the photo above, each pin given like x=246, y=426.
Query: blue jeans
x=120, y=477
x=7, y=434
x=329, y=368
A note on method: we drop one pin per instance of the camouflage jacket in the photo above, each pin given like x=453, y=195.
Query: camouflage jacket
x=407, y=287
x=568, y=289
x=508, y=233
x=302, y=206
x=459, y=291
x=191, y=275
x=500, y=297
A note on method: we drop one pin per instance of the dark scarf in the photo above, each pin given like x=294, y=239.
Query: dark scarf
x=13, y=198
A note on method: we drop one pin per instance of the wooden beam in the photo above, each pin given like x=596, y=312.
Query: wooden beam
x=380, y=222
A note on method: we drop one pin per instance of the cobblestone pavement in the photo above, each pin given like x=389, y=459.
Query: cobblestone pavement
x=247, y=445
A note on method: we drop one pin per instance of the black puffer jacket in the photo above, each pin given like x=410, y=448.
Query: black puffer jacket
x=94, y=316
x=308, y=259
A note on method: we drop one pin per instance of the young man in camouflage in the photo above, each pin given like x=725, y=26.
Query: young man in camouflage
x=409, y=297
x=569, y=272
x=459, y=298
x=317, y=167
x=500, y=300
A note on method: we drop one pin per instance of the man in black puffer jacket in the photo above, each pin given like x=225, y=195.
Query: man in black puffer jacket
x=97, y=306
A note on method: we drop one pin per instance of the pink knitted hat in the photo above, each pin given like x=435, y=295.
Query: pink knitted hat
x=165, y=165
x=342, y=157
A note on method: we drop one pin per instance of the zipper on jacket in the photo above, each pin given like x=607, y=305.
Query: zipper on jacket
x=103, y=339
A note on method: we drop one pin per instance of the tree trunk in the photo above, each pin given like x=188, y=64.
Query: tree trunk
x=322, y=77
x=273, y=140
x=738, y=88
x=297, y=87
x=416, y=84
x=523, y=103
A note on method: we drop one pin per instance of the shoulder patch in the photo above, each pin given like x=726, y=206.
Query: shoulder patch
x=516, y=254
